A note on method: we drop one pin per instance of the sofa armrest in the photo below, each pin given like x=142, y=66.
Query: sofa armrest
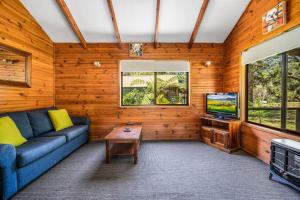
x=81, y=120
x=8, y=179
x=7, y=155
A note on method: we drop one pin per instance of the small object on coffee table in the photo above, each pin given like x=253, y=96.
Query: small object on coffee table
x=130, y=123
x=118, y=143
x=127, y=129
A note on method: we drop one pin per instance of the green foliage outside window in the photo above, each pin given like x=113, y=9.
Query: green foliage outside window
x=154, y=88
x=265, y=91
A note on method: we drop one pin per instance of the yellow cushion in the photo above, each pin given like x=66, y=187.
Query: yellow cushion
x=9, y=132
x=60, y=119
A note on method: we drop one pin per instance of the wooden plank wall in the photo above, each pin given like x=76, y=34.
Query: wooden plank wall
x=18, y=29
x=84, y=89
x=248, y=33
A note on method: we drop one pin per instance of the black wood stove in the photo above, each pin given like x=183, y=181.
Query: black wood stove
x=285, y=162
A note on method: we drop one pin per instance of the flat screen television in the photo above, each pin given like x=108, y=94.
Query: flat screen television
x=222, y=105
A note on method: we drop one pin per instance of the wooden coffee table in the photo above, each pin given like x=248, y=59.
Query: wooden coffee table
x=119, y=142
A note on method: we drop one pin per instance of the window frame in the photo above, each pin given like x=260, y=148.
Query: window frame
x=283, y=108
x=155, y=104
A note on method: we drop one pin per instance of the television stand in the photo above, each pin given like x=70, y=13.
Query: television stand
x=221, y=133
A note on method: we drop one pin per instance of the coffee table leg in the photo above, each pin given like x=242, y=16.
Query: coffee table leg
x=135, y=155
x=107, y=152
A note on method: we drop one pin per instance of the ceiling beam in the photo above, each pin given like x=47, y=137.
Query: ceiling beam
x=113, y=18
x=72, y=22
x=156, y=23
x=198, y=22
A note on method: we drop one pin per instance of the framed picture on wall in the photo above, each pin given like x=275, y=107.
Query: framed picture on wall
x=136, y=49
x=274, y=18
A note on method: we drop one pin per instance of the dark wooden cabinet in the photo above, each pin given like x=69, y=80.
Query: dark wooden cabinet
x=219, y=133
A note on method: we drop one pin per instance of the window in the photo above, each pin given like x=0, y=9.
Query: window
x=273, y=91
x=137, y=88
x=154, y=86
x=293, y=90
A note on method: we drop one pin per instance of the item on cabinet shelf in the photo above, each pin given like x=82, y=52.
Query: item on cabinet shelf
x=285, y=162
x=220, y=133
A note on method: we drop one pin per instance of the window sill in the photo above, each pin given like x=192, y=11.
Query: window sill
x=272, y=131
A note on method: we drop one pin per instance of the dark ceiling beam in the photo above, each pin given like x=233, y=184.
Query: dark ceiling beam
x=114, y=20
x=72, y=22
x=198, y=23
x=156, y=23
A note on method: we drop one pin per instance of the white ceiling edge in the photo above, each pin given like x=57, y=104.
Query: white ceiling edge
x=52, y=20
x=177, y=19
x=98, y=29
x=135, y=19
x=220, y=18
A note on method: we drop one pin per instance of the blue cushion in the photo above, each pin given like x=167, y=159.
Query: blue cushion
x=37, y=148
x=40, y=121
x=69, y=133
x=22, y=122
x=81, y=120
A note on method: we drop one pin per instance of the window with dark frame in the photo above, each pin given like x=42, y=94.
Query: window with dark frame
x=154, y=88
x=273, y=92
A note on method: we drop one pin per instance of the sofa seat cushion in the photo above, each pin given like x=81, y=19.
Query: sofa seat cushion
x=37, y=148
x=69, y=133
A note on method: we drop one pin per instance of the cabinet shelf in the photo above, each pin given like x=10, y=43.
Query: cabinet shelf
x=216, y=129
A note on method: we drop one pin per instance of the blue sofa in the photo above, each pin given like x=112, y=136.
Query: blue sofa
x=44, y=148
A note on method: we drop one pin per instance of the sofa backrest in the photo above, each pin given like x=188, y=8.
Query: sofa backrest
x=32, y=123
x=22, y=122
x=40, y=121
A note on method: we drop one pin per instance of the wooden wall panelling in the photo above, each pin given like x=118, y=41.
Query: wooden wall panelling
x=18, y=29
x=247, y=33
x=256, y=140
x=84, y=89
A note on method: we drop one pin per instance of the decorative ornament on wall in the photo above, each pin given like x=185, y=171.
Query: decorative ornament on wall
x=97, y=63
x=207, y=63
x=274, y=18
x=136, y=49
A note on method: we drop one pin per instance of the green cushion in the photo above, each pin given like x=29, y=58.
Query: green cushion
x=60, y=119
x=9, y=132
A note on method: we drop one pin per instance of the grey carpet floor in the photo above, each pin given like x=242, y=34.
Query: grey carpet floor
x=166, y=170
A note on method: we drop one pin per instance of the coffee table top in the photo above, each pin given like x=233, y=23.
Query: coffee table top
x=119, y=134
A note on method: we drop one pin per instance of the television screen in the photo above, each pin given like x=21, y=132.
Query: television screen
x=222, y=104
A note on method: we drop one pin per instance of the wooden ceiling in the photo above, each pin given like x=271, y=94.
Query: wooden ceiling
x=198, y=22
x=156, y=23
x=75, y=28
x=203, y=7
x=71, y=21
x=113, y=18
